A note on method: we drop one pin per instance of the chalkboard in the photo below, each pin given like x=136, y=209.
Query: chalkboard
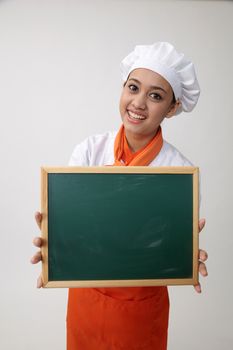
x=119, y=226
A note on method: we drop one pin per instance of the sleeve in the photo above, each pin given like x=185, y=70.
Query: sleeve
x=80, y=155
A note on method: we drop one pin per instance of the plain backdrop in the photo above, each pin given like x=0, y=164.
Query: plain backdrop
x=59, y=83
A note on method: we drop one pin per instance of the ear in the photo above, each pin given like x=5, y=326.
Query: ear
x=173, y=109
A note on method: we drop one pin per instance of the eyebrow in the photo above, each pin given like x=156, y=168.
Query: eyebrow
x=151, y=87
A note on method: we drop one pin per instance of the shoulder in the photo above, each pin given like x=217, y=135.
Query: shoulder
x=170, y=156
x=94, y=150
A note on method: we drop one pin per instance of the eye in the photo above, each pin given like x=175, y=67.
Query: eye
x=133, y=87
x=155, y=96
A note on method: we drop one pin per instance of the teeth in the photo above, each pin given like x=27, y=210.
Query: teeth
x=136, y=116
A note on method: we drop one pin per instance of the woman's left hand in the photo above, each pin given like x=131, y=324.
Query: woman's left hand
x=203, y=256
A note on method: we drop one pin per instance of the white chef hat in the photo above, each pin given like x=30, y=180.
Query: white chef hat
x=163, y=59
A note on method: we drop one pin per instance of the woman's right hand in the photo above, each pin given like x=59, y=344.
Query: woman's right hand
x=37, y=241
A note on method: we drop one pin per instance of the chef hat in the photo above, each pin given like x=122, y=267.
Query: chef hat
x=163, y=59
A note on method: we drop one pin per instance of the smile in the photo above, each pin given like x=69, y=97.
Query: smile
x=135, y=116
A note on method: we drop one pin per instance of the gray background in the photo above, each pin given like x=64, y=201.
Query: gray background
x=59, y=83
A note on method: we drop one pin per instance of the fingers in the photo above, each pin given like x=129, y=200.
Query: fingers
x=39, y=282
x=203, y=256
x=38, y=217
x=201, y=224
x=36, y=258
x=203, y=269
x=197, y=288
x=37, y=241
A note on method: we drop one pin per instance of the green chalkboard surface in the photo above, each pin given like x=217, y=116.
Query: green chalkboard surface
x=119, y=226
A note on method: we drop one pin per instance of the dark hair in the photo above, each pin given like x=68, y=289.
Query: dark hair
x=173, y=98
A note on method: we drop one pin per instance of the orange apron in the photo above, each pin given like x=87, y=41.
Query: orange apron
x=132, y=318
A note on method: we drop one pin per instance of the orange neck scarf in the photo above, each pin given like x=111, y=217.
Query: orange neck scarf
x=125, y=157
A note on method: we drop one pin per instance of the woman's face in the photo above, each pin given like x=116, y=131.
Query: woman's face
x=146, y=99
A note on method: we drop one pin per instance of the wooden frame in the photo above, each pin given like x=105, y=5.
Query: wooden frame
x=45, y=171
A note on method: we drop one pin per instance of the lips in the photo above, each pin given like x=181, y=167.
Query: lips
x=136, y=116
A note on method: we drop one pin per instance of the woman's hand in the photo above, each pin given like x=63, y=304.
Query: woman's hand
x=203, y=256
x=37, y=241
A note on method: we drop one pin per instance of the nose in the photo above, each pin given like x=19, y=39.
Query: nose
x=139, y=101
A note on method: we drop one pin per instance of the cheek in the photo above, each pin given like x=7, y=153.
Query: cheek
x=156, y=116
x=123, y=103
x=159, y=111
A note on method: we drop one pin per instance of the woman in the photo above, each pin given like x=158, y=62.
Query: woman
x=158, y=83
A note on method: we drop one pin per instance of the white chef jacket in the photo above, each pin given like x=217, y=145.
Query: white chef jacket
x=98, y=150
